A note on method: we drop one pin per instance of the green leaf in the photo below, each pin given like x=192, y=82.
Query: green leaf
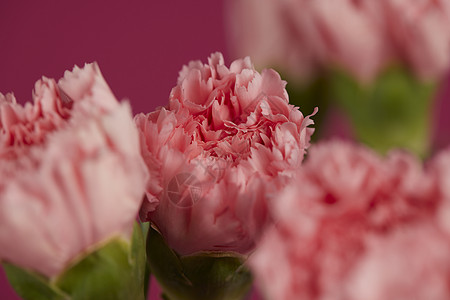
x=114, y=271
x=145, y=226
x=219, y=276
x=138, y=261
x=392, y=112
x=208, y=276
x=32, y=286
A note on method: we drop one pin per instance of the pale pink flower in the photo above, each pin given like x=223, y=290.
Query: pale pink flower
x=347, y=210
x=222, y=144
x=409, y=191
x=419, y=32
x=302, y=36
x=408, y=263
x=361, y=37
x=71, y=172
x=263, y=29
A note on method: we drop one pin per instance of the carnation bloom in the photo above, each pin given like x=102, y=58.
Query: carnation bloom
x=353, y=225
x=71, y=172
x=420, y=35
x=224, y=141
x=361, y=37
x=310, y=34
x=255, y=26
x=407, y=263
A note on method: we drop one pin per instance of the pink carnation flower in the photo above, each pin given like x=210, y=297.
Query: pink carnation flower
x=353, y=225
x=309, y=35
x=407, y=263
x=255, y=26
x=420, y=35
x=71, y=172
x=222, y=143
x=361, y=37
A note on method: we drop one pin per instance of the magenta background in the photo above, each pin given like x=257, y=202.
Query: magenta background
x=139, y=45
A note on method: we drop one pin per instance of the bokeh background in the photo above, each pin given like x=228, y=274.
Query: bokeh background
x=139, y=45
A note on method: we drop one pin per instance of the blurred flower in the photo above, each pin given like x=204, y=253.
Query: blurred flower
x=309, y=35
x=217, y=149
x=419, y=34
x=361, y=37
x=263, y=30
x=420, y=251
x=352, y=224
x=71, y=172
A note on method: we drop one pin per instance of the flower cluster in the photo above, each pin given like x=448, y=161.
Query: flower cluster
x=225, y=140
x=220, y=175
x=355, y=224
